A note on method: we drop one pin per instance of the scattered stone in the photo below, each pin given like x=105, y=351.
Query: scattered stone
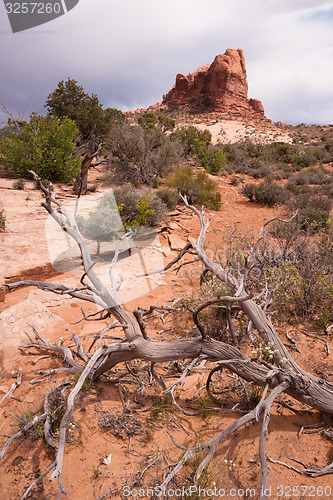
x=175, y=242
x=174, y=226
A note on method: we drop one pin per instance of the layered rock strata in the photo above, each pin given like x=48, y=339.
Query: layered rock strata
x=220, y=86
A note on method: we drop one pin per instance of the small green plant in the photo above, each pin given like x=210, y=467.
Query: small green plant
x=19, y=184
x=137, y=207
x=85, y=384
x=251, y=397
x=234, y=181
x=126, y=206
x=93, y=188
x=161, y=407
x=2, y=220
x=96, y=471
x=203, y=403
x=168, y=197
x=265, y=352
x=24, y=417
x=205, y=480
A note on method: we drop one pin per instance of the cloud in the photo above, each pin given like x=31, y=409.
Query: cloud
x=129, y=52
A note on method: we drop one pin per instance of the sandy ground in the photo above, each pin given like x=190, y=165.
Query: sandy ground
x=96, y=462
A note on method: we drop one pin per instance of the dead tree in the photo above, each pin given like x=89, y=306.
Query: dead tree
x=281, y=375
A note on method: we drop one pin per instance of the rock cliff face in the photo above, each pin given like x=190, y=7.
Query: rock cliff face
x=220, y=86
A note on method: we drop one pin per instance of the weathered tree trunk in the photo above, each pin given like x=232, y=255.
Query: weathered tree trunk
x=80, y=186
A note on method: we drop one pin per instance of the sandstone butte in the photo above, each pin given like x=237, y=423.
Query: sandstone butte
x=220, y=86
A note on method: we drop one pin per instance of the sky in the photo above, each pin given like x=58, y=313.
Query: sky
x=129, y=52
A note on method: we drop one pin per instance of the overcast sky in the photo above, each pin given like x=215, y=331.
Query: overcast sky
x=128, y=52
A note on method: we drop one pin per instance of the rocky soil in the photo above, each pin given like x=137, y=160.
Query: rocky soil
x=96, y=461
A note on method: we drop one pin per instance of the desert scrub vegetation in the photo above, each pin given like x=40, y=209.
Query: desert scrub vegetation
x=45, y=144
x=299, y=267
x=197, y=145
x=141, y=152
x=277, y=159
x=124, y=207
x=249, y=279
x=197, y=186
x=314, y=210
x=2, y=220
x=169, y=198
x=266, y=193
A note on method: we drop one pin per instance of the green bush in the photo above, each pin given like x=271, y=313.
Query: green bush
x=249, y=190
x=269, y=193
x=126, y=206
x=45, y=144
x=193, y=140
x=199, y=189
x=305, y=287
x=313, y=211
x=168, y=197
x=212, y=160
x=265, y=193
x=2, y=220
x=142, y=153
x=197, y=143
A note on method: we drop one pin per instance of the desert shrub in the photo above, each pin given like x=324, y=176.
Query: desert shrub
x=137, y=207
x=313, y=175
x=325, y=189
x=19, y=184
x=197, y=143
x=303, y=158
x=2, y=220
x=299, y=267
x=265, y=193
x=126, y=206
x=279, y=152
x=234, y=181
x=269, y=193
x=142, y=153
x=305, y=288
x=313, y=211
x=45, y=144
x=168, y=197
x=293, y=186
x=199, y=189
x=261, y=172
x=212, y=160
x=194, y=141
x=249, y=190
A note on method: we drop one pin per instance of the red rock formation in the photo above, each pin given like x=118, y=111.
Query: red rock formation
x=283, y=125
x=220, y=86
